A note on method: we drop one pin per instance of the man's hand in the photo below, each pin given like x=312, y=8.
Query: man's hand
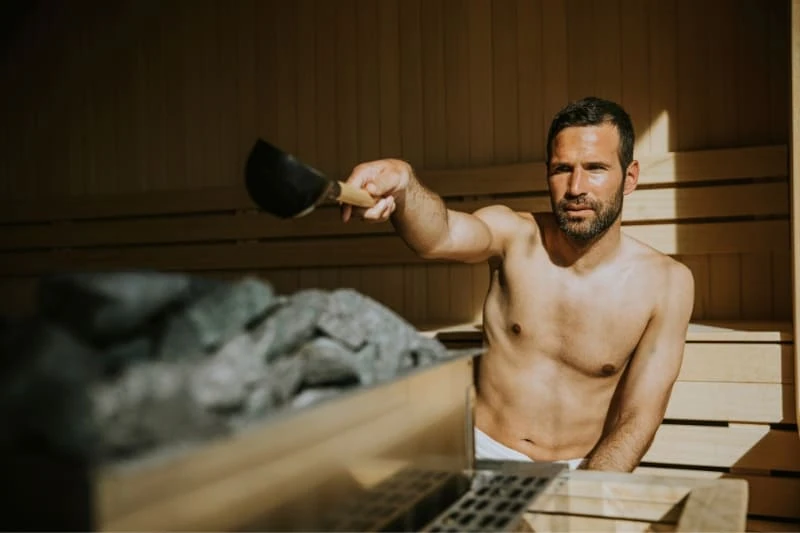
x=386, y=179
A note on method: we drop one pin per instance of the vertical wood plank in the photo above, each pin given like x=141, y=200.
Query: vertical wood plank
x=635, y=92
x=608, y=51
x=756, y=286
x=352, y=278
x=369, y=82
x=722, y=76
x=438, y=295
x=284, y=282
x=481, y=112
x=326, y=45
x=530, y=75
x=663, y=68
x=753, y=85
x=554, y=60
x=287, y=73
x=411, y=82
x=581, y=48
x=389, y=65
x=505, y=88
x=347, y=119
x=305, y=49
x=385, y=284
x=267, y=101
x=779, y=71
x=692, y=43
x=229, y=76
x=782, y=286
x=456, y=63
x=724, y=271
x=415, y=300
x=435, y=116
x=462, y=299
x=245, y=60
x=207, y=119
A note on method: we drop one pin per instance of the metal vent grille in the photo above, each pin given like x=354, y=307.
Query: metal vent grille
x=403, y=502
x=496, y=502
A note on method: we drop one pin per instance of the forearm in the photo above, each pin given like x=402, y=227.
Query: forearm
x=420, y=218
x=622, y=448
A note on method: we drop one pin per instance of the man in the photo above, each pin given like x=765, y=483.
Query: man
x=584, y=326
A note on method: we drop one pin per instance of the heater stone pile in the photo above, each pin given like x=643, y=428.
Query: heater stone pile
x=114, y=365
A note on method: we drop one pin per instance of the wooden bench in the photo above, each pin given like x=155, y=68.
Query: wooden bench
x=724, y=213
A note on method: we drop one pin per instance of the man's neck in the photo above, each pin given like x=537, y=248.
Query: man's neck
x=584, y=257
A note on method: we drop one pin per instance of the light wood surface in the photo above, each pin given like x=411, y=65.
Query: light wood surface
x=600, y=501
x=270, y=473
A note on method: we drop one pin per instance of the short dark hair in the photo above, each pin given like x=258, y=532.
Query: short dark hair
x=593, y=111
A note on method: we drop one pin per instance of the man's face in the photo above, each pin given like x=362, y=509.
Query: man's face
x=586, y=180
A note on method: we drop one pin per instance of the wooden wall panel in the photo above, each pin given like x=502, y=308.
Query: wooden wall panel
x=142, y=95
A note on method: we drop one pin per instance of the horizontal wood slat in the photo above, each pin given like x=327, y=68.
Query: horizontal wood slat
x=738, y=363
x=670, y=168
x=767, y=495
x=747, y=447
x=749, y=236
x=732, y=402
x=645, y=205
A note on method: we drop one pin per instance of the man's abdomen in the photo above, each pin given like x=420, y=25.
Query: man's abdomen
x=539, y=409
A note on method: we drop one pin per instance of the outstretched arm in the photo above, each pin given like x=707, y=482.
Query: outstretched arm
x=644, y=391
x=422, y=219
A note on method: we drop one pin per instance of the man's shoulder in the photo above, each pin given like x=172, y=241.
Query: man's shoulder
x=503, y=218
x=669, y=273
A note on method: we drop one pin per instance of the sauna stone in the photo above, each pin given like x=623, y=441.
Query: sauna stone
x=103, y=307
x=116, y=366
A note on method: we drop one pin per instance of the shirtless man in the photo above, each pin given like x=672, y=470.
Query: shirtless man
x=584, y=326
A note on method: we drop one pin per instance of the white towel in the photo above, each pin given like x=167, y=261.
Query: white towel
x=488, y=448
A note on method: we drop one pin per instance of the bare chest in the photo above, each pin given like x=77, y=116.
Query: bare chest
x=590, y=323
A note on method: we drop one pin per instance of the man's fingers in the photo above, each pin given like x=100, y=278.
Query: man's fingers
x=347, y=212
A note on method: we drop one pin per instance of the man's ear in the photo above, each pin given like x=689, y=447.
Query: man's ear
x=631, y=177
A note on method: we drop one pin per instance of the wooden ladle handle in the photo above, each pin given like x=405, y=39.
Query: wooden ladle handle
x=354, y=196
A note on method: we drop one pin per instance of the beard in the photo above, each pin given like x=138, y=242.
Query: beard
x=584, y=228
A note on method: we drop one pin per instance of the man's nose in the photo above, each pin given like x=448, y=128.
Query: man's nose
x=576, y=182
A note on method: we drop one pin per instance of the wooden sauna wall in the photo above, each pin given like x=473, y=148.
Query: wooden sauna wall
x=139, y=95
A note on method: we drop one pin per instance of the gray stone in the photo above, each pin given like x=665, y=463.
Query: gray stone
x=223, y=381
x=285, y=377
x=102, y=307
x=44, y=376
x=392, y=337
x=295, y=322
x=150, y=406
x=214, y=318
x=337, y=326
x=223, y=313
x=328, y=363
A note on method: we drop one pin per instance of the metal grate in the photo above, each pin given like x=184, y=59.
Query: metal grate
x=405, y=501
x=495, y=502
x=493, y=497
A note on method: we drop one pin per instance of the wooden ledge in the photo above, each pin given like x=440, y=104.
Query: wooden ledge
x=700, y=331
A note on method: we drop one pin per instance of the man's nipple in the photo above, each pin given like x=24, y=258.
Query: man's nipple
x=608, y=369
x=516, y=328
